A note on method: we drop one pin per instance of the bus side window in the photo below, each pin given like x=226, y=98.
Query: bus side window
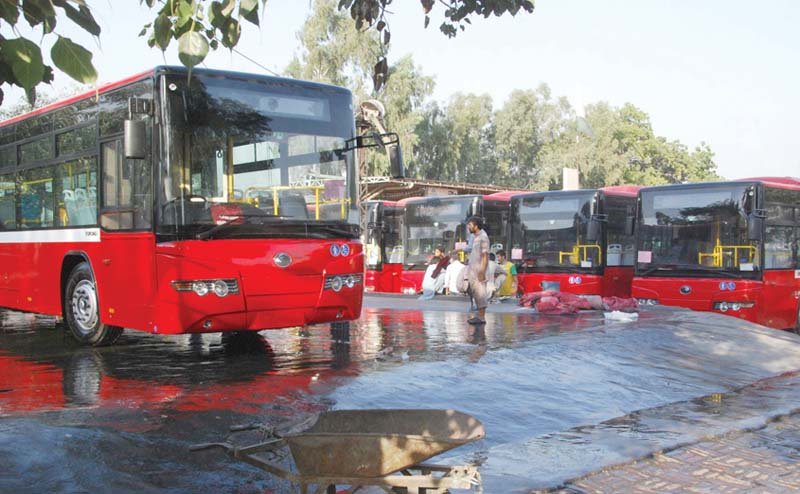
x=8, y=208
x=78, y=194
x=37, y=198
x=782, y=230
x=778, y=245
x=127, y=190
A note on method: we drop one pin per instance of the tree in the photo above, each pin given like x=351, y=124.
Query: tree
x=528, y=123
x=333, y=51
x=197, y=26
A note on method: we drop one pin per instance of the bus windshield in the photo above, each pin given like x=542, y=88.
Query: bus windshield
x=550, y=231
x=262, y=157
x=696, y=229
x=436, y=222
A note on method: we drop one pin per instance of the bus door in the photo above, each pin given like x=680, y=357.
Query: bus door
x=125, y=271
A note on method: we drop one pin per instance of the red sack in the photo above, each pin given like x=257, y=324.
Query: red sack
x=552, y=305
x=530, y=299
x=578, y=302
x=620, y=304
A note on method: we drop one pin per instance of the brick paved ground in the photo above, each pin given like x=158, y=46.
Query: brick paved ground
x=765, y=460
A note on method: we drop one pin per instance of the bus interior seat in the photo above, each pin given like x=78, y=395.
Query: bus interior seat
x=292, y=203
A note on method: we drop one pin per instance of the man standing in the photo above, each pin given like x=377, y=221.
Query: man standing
x=477, y=267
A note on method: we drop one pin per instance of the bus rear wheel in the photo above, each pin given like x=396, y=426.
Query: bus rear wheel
x=82, y=309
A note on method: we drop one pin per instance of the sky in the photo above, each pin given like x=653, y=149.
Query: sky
x=724, y=72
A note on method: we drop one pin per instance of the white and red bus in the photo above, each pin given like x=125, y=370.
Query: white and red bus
x=441, y=221
x=727, y=247
x=383, y=247
x=171, y=204
x=577, y=241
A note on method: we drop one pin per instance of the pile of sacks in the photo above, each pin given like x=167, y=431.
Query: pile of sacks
x=553, y=302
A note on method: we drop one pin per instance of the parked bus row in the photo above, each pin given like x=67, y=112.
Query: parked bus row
x=728, y=247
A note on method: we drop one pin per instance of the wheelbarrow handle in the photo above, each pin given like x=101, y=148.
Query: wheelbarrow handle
x=201, y=447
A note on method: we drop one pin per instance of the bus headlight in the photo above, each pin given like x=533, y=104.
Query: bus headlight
x=733, y=306
x=338, y=281
x=200, y=288
x=220, y=288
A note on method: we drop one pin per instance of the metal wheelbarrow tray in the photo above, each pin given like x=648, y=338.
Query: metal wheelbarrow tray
x=365, y=447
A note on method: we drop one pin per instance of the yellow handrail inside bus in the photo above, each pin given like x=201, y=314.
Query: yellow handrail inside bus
x=717, y=255
x=578, y=249
x=317, y=189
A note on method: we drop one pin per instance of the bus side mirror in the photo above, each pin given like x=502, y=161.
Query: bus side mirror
x=135, y=139
x=396, y=166
x=755, y=226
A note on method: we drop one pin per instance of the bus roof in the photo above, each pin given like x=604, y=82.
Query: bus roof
x=151, y=73
x=792, y=183
x=612, y=190
x=77, y=97
x=403, y=202
x=505, y=195
x=621, y=190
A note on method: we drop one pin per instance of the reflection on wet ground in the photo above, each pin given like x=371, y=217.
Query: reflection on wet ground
x=559, y=396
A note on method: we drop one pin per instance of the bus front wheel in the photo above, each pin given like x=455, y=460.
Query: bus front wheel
x=82, y=309
x=796, y=328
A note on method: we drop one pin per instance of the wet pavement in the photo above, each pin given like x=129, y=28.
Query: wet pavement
x=560, y=396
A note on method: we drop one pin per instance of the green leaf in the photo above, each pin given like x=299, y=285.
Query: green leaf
x=227, y=7
x=231, y=32
x=215, y=15
x=83, y=17
x=25, y=59
x=249, y=10
x=185, y=13
x=192, y=48
x=162, y=30
x=74, y=60
x=9, y=11
x=37, y=11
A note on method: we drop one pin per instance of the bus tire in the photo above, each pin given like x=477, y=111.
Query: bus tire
x=340, y=331
x=82, y=309
x=796, y=328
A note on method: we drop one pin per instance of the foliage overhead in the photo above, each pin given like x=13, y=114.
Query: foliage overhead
x=22, y=62
x=197, y=27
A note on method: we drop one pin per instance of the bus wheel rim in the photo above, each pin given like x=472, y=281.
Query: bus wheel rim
x=84, y=306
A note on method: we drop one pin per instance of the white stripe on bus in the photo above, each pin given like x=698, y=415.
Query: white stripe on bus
x=50, y=236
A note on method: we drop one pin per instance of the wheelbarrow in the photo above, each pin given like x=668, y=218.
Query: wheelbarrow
x=360, y=448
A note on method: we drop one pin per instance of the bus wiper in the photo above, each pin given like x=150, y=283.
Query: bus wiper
x=717, y=271
x=336, y=230
x=233, y=218
x=653, y=269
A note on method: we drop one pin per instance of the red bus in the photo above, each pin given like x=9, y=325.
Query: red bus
x=726, y=247
x=577, y=241
x=383, y=247
x=441, y=221
x=171, y=204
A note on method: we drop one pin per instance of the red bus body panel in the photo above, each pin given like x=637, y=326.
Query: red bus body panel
x=385, y=280
x=614, y=282
x=772, y=308
x=134, y=274
x=411, y=280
